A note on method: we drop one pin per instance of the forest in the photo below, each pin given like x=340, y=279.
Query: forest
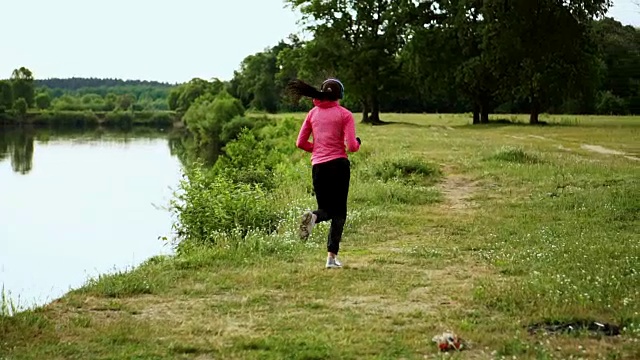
x=449, y=61
x=455, y=57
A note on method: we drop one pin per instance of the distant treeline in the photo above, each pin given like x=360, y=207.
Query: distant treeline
x=105, y=94
x=78, y=83
x=83, y=101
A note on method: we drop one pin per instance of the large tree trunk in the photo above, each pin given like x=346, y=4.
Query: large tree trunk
x=365, y=111
x=375, y=111
x=374, y=119
x=535, y=112
x=485, y=116
x=476, y=114
x=484, y=110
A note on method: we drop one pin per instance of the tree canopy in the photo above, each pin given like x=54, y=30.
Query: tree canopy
x=359, y=41
x=480, y=56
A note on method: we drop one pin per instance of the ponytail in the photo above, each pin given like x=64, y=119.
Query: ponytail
x=298, y=88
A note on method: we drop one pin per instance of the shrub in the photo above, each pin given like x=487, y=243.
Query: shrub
x=231, y=130
x=66, y=119
x=162, y=119
x=120, y=119
x=405, y=169
x=207, y=116
x=20, y=106
x=515, y=155
x=210, y=205
x=247, y=160
x=610, y=104
x=392, y=193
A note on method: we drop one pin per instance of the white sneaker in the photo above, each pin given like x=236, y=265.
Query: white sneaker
x=333, y=263
x=306, y=224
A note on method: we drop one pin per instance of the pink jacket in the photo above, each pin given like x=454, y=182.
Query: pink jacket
x=331, y=126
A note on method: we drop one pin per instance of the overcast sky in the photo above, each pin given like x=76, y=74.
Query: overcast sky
x=162, y=40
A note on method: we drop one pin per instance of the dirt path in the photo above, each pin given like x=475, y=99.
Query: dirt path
x=458, y=191
x=603, y=150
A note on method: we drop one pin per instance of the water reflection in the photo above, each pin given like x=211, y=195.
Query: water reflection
x=184, y=147
x=17, y=143
x=75, y=204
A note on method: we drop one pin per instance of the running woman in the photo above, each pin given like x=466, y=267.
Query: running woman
x=333, y=129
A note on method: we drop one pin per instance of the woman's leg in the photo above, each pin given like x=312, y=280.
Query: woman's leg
x=331, y=187
x=340, y=180
x=321, y=177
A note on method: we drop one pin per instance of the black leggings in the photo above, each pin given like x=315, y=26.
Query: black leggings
x=331, y=186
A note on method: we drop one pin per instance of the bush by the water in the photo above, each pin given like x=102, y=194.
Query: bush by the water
x=127, y=119
x=152, y=118
x=210, y=205
x=120, y=119
x=208, y=115
x=89, y=118
x=243, y=193
x=232, y=129
x=74, y=119
x=247, y=160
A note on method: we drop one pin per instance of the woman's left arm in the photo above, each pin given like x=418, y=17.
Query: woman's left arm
x=303, y=137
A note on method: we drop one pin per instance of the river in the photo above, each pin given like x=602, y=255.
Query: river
x=77, y=204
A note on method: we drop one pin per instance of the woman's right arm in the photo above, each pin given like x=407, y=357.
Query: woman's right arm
x=353, y=144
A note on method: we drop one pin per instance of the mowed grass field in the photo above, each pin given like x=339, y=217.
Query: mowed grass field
x=509, y=227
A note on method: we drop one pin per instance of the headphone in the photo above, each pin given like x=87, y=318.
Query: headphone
x=339, y=83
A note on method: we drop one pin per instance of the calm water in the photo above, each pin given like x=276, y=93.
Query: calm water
x=76, y=205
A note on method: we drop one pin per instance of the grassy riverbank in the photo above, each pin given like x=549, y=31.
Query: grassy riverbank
x=481, y=230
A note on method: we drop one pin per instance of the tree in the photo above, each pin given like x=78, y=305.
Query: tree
x=20, y=107
x=255, y=84
x=205, y=120
x=359, y=41
x=619, y=48
x=540, y=50
x=22, y=84
x=126, y=101
x=6, y=95
x=181, y=97
x=110, y=102
x=43, y=101
x=259, y=83
x=447, y=53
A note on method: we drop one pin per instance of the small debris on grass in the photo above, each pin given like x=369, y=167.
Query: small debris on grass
x=449, y=341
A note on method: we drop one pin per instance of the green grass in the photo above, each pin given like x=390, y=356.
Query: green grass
x=515, y=155
x=481, y=230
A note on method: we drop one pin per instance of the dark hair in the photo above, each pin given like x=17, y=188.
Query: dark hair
x=332, y=90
